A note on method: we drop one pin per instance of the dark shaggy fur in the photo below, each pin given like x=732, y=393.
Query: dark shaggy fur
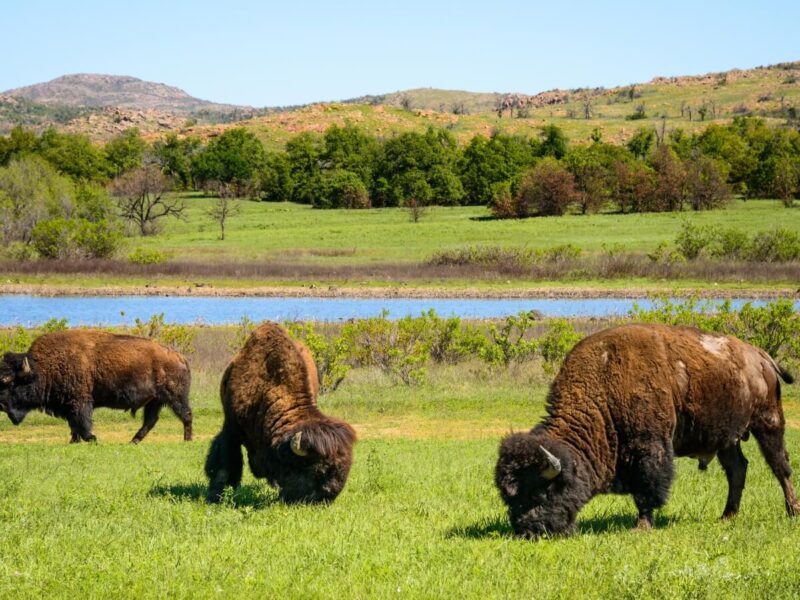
x=75, y=371
x=269, y=397
x=626, y=402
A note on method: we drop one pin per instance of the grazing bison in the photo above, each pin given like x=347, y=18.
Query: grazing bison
x=268, y=396
x=69, y=373
x=626, y=402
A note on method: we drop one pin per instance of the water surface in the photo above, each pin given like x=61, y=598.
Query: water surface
x=122, y=310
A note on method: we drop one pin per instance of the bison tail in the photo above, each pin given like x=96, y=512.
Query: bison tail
x=786, y=375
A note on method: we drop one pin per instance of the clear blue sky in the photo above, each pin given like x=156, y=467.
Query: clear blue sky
x=278, y=53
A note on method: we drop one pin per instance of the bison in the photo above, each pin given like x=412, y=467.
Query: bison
x=69, y=373
x=268, y=395
x=626, y=402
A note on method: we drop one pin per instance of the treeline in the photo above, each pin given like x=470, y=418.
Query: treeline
x=345, y=167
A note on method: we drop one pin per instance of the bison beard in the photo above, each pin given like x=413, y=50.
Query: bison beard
x=69, y=373
x=268, y=396
x=625, y=403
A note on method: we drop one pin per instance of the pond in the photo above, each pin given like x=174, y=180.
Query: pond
x=123, y=310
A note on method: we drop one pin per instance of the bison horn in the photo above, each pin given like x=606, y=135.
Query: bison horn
x=296, y=446
x=554, y=464
x=26, y=366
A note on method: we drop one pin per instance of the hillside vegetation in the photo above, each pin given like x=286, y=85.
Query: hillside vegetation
x=772, y=92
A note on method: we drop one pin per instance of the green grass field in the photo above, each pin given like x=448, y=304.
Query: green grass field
x=297, y=232
x=418, y=518
x=295, y=236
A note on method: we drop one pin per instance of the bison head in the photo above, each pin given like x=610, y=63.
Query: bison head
x=315, y=461
x=16, y=374
x=537, y=479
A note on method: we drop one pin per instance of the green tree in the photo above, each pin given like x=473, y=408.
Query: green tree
x=641, y=142
x=486, y=162
x=174, y=156
x=31, y=191
x=419, y=166
x=553, y=142
x=19, y=142
x=351, y=149
x=276, y=177
x=236, y=157
x=125, y=152
x=304, y=154
x=341, y=189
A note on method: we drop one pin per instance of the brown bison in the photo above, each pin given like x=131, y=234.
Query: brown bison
x=268, y=396
x=311, y=366
x=69, y=373
x=626, y=402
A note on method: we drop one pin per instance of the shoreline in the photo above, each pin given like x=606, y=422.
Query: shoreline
x=415, y=292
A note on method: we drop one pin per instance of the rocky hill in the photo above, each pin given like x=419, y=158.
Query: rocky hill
x=93, y=90
x=102, y=106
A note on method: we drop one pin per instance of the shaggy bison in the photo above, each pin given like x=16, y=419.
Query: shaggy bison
x=626, y=402
x=268, y=397
x=69, y=373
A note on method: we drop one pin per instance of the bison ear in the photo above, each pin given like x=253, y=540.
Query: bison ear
x=6, y=379
x=553, y=468
x=296, y=444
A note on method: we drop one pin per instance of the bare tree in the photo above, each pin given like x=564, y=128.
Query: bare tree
x=588, y=109
x=143, y=198
x=416, y=208
x=225, y=205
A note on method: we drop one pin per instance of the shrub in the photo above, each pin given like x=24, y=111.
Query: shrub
x=142, y=256
x=179, y=337
x=693, y=239
x=556, y=343
x=401, y=349
x=331, y=354
x=245, y=327
x=19, y=339
x=778, y=245
x=508, y=342
x=75, y=238
x=503, y=203
x=19, y=251
x=732, y=244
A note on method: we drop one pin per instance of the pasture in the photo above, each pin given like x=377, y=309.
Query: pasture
x=419, y=517
x=284, y=244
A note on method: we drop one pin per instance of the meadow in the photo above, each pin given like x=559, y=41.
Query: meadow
x=285, y=244
x=419, y=517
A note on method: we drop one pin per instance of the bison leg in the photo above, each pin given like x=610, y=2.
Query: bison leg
x=184, y=413
x=652, y=473
x=772, y=447
x=735, y=465
x=80, y=425
x=151, y=411
x=224, y=463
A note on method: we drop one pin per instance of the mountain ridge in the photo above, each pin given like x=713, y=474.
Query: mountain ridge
x=97, y=90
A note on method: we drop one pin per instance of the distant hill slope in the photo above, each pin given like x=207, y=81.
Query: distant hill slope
x=669, y=103
x=93, y=90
